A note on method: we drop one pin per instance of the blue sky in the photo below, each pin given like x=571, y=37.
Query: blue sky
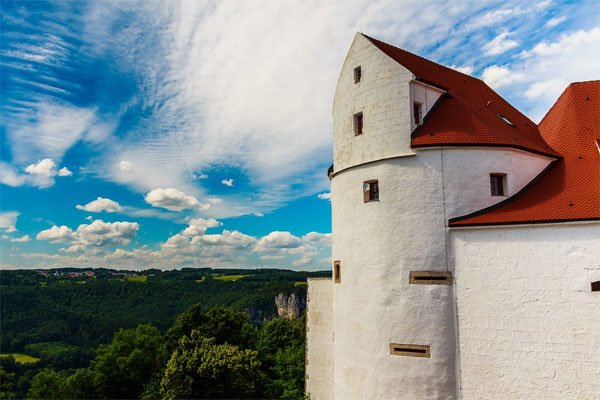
x=171, y=134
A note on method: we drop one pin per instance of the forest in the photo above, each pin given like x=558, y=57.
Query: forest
x=191, y=333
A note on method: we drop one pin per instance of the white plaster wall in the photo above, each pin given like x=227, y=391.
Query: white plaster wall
x=319, y=339
x=378, y=243
x=467, y=175
x=528, y=323
x=383, y=96
x=426, y=95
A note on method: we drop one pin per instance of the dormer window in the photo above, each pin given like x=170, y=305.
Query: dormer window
x=357, y=74
x=417, y=112
x=497, y=184
x=358, y=123
x=503, y=118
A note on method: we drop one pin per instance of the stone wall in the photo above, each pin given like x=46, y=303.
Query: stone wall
x=528, y=323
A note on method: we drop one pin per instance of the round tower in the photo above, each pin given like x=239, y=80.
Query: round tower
x=393, y=304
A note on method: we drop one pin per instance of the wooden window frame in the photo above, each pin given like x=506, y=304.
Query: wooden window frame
x=371, y=194
x=498, y=190
x=357, y=74
x=337, y=272
x=410, y=350
x=430, y=278
x=358, y=123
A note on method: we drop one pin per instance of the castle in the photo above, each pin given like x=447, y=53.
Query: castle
x=466, y=239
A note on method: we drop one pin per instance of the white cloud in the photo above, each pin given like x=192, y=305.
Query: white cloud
x=227, y=182
x=98, y=233
x=10, y=176
x=303, y=261
x=552, y=22
x=498, y=76
x=233, y=239
x=24, y=238
x=540, y=75
x=173, y=199
x=198, y=226
x=315, y=237
x=495, y=17
x=258, y=214
x=324, y=196
x=499, y=44
x=276, y=240
x=89, y=217
x=56, y=234
x=101, y=204
x=271, y=257
x=64, y=171
x=466, y=69
x=8, y=221
x=125, y=166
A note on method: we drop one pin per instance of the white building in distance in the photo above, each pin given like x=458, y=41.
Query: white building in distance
x=466, y=240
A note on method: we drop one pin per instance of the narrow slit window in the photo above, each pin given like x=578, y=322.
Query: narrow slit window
x=430, y=278
x=417, y=112
x=371, y=190
x=358, y=123
x=410, y=350
x=596, y=286
x=497, y=184
x=357, y=74
x=337, y=272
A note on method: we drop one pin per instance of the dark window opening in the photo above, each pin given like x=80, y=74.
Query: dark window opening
x=497, y=184
x=430, y=278
x=371, y=190
x=417, y=107
x=358, y=123
x=410, y=350
x=596, y=286
x=337, y=273
x=357, y=74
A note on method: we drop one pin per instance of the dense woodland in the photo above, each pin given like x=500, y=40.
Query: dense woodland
x=150, y=334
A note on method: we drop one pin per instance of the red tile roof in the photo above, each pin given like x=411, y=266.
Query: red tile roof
x=570, y=189
x=469, y=114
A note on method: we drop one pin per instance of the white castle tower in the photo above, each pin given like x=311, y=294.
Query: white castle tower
x=385, y=326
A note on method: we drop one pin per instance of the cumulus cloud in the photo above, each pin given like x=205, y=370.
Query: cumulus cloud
x=198, y=226
x=227, y=182
x=101, y=204
x=64, y=171
x=277, y=240
x=173, y=199
x=8, y=221
x=231, y=239
x=24, y=238
x=98, y=233
x=258, y=214
x=271, y=257
x=303, y=261
x=41, y=174
x=324, y=196
x=500, y=44
x=540, y=74
x=466, y=69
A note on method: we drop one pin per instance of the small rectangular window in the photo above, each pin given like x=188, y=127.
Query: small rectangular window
x=410, y=350
x=371, y=190
x=430, y=278
x=596, y=286
x=337, y=272
x=357, y=74
x=358, y=123
x=497, y=184
x=417, y=111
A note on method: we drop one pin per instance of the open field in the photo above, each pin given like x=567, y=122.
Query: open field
x=21, y=358
x=141, y=278
x=229, y=277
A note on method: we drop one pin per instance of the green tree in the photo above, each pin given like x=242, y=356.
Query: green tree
x=47, y=384
x=122, y=368
x=6, y=384
x=202, y=369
